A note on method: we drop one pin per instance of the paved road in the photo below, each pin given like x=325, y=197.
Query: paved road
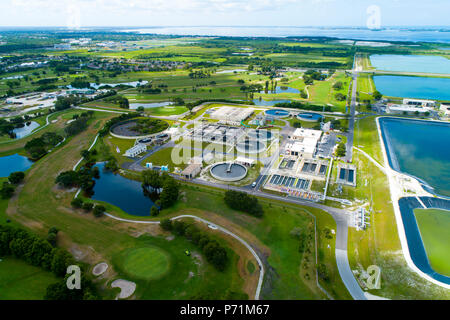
x=402, y=73
x=351, y=121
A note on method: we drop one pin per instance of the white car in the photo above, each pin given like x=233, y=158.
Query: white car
x=254, y=184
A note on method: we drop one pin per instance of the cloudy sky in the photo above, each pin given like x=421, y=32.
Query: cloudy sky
x=221, y=12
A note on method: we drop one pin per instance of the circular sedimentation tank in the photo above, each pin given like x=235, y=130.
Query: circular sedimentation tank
x=250, y=146
x=277, y=113
x=260, y=135
x=309, y=116
x=228, y=171
x=127, y=129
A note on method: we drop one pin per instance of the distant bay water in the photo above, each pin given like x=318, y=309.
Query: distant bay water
x=414, y=34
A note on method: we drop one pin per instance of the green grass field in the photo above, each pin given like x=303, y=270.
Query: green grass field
x=167, y=111
x=21, y=281
x=146, y=263
x=434, y=226
x=187, y=277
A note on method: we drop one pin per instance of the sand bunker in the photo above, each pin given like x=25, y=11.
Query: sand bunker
x=100, y=269
x=127, y=288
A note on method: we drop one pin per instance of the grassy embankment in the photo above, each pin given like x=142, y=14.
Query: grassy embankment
x=380, y=244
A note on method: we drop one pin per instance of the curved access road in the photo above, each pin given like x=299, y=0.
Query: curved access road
x=214, y=226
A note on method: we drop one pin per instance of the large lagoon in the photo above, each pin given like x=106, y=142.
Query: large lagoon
x=421, y=149
x=413, y=87
x=411, y=63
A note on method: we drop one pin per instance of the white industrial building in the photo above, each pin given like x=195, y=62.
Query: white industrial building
x=304, y=143
x=406, y=109
x=301, y=134
x=136, y=150
x=419, y=103
x=231, y=114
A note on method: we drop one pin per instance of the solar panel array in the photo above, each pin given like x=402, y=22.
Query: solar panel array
x=289, y=182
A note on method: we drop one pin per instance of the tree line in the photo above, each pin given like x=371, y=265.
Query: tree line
x=153, y=182
x=38, y=252
x=214, y=252
x=242, y=201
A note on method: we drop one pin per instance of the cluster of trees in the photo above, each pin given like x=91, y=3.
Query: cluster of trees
x=338, y=125
x=341, y=150
x=303, y=106
x=98, y=210
x=377, y=95
x=38, y=147
x=80, y=124
x=83, y=178
x=214, y=252
x=63, y=103
x=243, y=202
x=252, y=88
x=8, y=187
x=119, y=100
x=199, y=74
x=340, y=97
x=80, y=83
x=311, y=75
x=338, y=85
x=153, y=182
x=6, y=127
x=149, y=126
x=148, y=88
x=178, y=101
x=40, y=253
x=45, y=81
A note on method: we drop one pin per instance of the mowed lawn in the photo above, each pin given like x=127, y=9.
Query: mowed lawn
x=434, y=226
x=21, y=281
x=146, y=263
x=162, y=270
x=167, y=111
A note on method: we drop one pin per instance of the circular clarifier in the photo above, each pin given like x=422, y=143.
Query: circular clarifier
x=250, y=146
x=227, y=171
x=260, y=135
x=277, y=113
x=309, y=116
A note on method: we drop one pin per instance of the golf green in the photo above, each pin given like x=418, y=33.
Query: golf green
x=147, y=263
x=434, y=225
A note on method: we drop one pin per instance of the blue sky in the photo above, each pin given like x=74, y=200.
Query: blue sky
x=221, y=12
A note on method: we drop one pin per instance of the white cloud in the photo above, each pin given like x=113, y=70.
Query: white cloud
x=156, y=5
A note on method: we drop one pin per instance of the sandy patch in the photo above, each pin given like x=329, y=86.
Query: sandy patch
x=127, y=288
x=99, y=269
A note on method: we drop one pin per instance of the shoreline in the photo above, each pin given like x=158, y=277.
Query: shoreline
x=396, y=195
